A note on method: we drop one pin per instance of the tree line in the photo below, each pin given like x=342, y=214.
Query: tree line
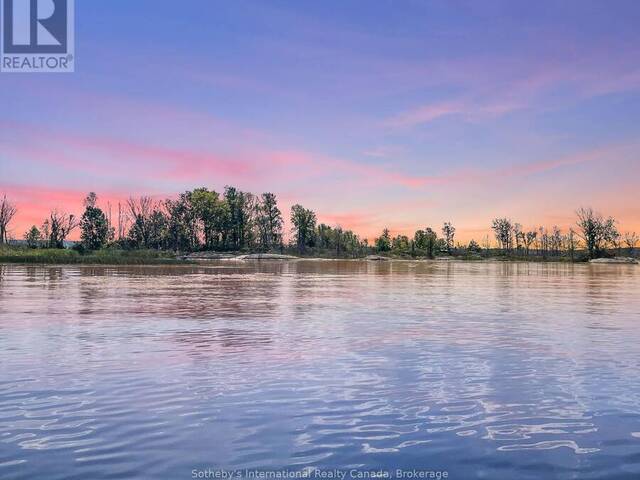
x=596, y=235
x=198, y=220
x=237, y=221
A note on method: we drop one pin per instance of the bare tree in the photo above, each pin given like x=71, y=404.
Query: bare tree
x=556, y=241
x=631, y=240
x=58, y=227
x=596, y=231
x=140, y=210
x=519, y=236
x=572, y=243
x=448, y=232
x=7, y=211
x=529, y=238
x=543, y=239
x=110, y=220
x=503, y=230
x=486, y=244
x=122, y=221
x=615, y=238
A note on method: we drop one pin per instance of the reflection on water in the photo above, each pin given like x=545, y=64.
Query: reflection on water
x=487, y=370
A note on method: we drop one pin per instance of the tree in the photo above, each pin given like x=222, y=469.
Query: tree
x=140, y=210
x=58, y=227
x=342, y=242
x=420, y=240
x=7, y=211
x=338, y=240
x=544, y=242
x=400, y=244
x=181, y=224
x=486, y=244
x=572, y=243
x=324, y=236
x=158, y=231
x=430, y=242
x=351, y=243
x=631, y=240
x=503, y=230
x=596, y=231
x=474, y=247
x=269, y=221
x=519, y=236
x=556, y=241
x=528, y=239
x=122, y=222
x=448, y=232
x=383, y=243
x=94, y=226
x=91, y=200
x=33, y=237
x=616, y=241
x=209, y=215
x=426, y=241
x=242, y=208
x=304, y=225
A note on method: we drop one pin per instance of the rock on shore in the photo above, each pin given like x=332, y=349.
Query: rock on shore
x=617, y=260
x=230, y=256
x=376, y=258
x=265, y=256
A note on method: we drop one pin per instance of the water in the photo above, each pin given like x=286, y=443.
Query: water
x=483, y=370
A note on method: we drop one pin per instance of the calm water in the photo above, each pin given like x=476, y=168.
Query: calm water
x=497, y=371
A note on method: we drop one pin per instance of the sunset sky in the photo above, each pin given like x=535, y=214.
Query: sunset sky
x=402, y=114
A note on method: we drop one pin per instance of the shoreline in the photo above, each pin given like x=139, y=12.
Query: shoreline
x=176, y=262
x=164, y=258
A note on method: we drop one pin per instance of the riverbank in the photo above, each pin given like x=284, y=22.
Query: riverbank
x=155, y=257
x=101, y=257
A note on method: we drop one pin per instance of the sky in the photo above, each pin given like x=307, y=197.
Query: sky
x=399, y=114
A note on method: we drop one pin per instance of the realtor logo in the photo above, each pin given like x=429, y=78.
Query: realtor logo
x=37, y=36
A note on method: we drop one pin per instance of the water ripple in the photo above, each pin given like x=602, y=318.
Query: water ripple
x=486, y=370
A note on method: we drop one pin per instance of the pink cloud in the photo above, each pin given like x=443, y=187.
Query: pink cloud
x=304, y=164
x=470, y=110
x=493, y=86
x=424, y=114
x=597, y=154
x=476, y=176
x=384, y=151
x=251, y=164
x=356, y=221
x=79, y=152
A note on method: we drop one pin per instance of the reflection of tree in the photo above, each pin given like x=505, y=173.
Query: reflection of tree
x=2, y=281
x=604, y=292
x=51, y=277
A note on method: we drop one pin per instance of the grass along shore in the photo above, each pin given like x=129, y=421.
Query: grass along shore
x=100, y=257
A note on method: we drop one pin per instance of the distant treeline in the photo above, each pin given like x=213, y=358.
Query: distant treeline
x=236, y=221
